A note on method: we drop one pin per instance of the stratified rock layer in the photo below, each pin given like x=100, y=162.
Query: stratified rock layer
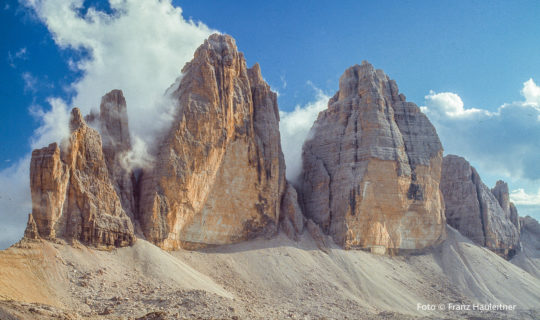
x=72, y=194
x=372, y=167
x=219, y=172
x=475, y=211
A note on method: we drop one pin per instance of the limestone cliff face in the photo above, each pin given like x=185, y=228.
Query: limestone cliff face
x=72, y=194
x=292, y=220
x=485, y=216
x=219, y=172
x=372, y=167
x=114, y=130
x=500, y=191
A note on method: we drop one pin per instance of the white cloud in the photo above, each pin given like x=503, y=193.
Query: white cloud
x=140, y=48
x=520, y=197
x=294, y=127
x=449, y=104
x=531, y=92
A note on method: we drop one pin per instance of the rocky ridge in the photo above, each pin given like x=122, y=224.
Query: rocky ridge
x=371, y=169
x=485, y=216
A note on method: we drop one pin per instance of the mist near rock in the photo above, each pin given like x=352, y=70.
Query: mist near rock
x=127, y=50
x=139, y=48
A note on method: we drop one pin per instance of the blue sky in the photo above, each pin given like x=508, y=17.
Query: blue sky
x=461, y=60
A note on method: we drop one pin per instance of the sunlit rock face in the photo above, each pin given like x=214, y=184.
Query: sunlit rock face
x=219, y=173
x=485, y=216
x=372, y=166
x=73, y=196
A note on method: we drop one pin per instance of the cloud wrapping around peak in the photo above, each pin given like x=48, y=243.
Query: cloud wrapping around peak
x=139, y=48
x=294, y=127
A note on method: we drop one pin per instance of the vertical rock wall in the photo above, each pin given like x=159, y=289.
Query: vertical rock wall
x=372, y=167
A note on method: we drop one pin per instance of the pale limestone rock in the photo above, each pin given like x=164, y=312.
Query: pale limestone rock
x=528, y=257
x=114, y=130
x=31, y=231
x=219, y=172
x=318, y=235
x=49, y=178
x=371, y=169
x=72, y=195
x=500, y=191
x=474, y=210
x=291, y=219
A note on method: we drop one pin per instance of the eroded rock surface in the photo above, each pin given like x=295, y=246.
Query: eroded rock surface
x=291, y=219
x=114, y=129
x=475, y=211
x=219, y=172
x=500, y=191
x=371, y=170
x=72, y=194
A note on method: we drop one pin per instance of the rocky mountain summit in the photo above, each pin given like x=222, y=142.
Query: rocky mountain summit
x=485, y=216
x=371, y=169
x=219, y=176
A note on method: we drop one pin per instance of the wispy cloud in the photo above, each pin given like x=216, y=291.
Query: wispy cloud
x=30, y=82
x=21, y=54
x=283, y=81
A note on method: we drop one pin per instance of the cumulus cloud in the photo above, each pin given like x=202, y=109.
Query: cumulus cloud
x=520, y=197
x=294, y=127
x=450, y=105
x=501, y=144
x=140, y=47
x=531, y=92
